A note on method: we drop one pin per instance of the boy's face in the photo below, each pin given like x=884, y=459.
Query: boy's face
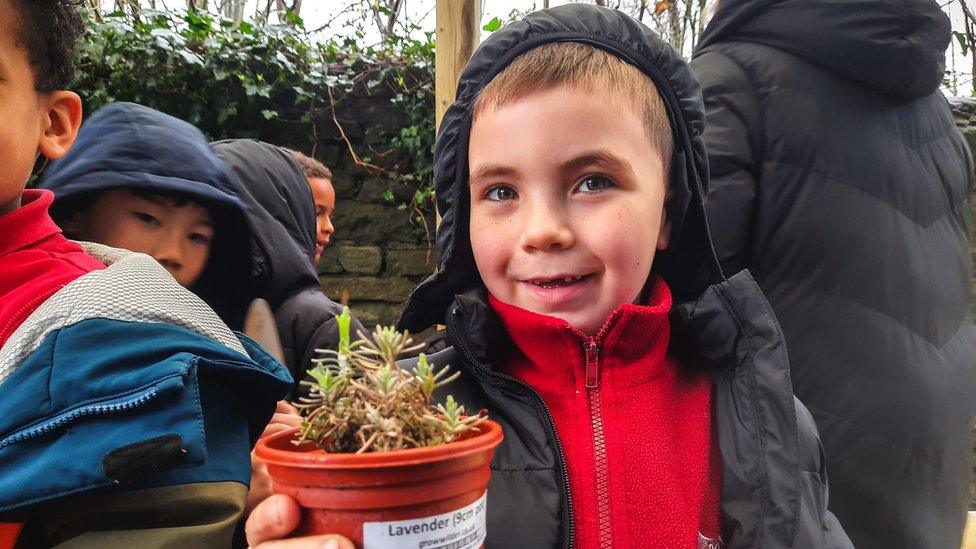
x=177, y=235
x=32, y=122
x=567, y=201
x=324, y=196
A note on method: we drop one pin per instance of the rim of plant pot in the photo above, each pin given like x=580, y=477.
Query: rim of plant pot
x=279, y=449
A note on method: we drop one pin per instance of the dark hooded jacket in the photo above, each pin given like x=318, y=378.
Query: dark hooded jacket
x=840, y=181
x=125, y=145
x=774, y=491
x=281, y=214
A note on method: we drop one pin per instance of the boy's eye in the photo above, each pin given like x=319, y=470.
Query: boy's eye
x=594, y=184
x=501, y=193
x=201, y=239
x=147, y=219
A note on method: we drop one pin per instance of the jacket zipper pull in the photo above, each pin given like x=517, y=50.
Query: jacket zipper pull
x=592, y=364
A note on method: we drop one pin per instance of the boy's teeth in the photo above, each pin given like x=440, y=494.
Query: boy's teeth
x=552, y=283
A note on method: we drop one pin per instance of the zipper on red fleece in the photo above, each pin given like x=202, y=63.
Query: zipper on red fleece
x=592, y=353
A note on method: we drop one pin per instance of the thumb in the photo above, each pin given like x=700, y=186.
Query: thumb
x=274, y=518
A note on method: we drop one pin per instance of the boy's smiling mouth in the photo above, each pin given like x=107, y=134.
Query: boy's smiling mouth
x=560, y=281
x=556, y=291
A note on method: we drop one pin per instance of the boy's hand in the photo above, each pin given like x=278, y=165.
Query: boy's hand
x=285, y=417
x=278, y=516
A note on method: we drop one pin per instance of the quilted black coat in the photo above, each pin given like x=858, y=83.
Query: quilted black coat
x=840, y=181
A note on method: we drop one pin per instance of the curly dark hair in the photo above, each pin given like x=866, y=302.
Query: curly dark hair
x=311, y=166
x=49, y=30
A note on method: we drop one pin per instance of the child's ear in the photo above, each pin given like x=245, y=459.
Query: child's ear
x=664, y=236
x=62, y=119
x=69, y=225
x=75, y=216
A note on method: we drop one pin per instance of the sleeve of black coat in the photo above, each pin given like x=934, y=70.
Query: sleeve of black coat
x=306, y=322
x=732, y=128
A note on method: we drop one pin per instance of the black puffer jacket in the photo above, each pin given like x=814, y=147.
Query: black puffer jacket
x=839, y=180
x=282, y=218
x=774, y=486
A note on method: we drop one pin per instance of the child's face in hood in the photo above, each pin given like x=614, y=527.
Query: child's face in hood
x=567, y=204
x=323, y=194
x=176, y=233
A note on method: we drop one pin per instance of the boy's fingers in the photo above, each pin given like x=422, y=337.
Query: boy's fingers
x=287, y=419
x=284, y=407
x=281, y=422
x=317, y=542
x=274, y=518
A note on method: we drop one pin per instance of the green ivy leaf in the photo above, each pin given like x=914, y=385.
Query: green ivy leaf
x=963, y=43
x=233, y=78
x=493, y=25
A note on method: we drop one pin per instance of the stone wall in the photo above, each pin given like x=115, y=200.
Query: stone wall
x=964, y=110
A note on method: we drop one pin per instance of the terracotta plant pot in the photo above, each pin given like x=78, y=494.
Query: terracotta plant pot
x=422, y=497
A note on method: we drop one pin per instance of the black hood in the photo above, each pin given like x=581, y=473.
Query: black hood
x=895, y=47
x=125, y=145
x=688, y=266
x=281, y=214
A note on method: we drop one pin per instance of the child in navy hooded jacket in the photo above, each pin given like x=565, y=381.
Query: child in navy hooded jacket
x=145, y=181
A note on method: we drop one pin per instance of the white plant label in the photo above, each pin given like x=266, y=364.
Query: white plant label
x=460, y=529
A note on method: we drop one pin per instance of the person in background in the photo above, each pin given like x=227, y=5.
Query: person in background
x=323, y=196
x=142, y=180
x=281, y=214
x=839, y=180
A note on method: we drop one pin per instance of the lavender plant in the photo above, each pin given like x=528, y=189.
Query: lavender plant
x=359, y=400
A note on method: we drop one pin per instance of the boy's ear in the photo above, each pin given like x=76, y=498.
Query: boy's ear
x=62, y=119
x=664, y=236
x=71, y=225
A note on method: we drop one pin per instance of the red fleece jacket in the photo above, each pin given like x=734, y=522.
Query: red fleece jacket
x=36, y=260
x=635, y=427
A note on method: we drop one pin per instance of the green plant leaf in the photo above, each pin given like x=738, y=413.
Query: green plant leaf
x=493, y=25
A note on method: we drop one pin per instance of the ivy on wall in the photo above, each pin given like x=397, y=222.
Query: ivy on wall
x=275, y=82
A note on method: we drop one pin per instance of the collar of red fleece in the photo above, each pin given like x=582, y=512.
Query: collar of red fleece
x=28, y=224
x=630, y=334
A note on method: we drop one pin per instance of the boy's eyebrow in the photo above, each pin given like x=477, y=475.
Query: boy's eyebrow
x=491, y=170
x=154, y=198
x=598, y=158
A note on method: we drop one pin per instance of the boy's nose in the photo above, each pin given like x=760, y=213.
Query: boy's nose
x=546, y=230
x=169, y=254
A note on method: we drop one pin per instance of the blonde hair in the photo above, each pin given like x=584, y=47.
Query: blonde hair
x=586, y=68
